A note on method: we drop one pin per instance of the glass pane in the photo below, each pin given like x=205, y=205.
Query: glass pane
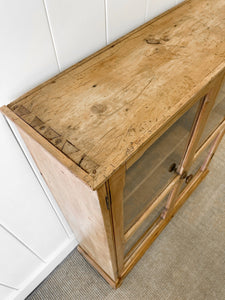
x=145, y=225
x=147, y=178
x=216, y=116
x=196, y=165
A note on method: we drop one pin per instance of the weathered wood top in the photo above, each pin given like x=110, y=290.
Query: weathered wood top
x=100, y=112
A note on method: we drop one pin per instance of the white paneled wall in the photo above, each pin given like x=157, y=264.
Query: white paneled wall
x=28, y=223
x=40, y=38
x=155, y=8
x=123, y=16
x=6, y=292
x=12, y=262
x=32, y=233
x=78, y=28
x=26, y=47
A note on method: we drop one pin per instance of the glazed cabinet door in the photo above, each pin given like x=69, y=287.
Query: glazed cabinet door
x=139, y=192
x=146, y=194
x=211, y=136
x=152, y=175
x=216, y=116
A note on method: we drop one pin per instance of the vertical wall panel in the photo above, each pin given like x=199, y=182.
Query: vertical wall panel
x=27, y=56
x=155, y=8
x=16, y=261
x=6, y=292
x=123, y=16
x=78, y=28
x=24, y=208
x=179, y=1
x=41, y=180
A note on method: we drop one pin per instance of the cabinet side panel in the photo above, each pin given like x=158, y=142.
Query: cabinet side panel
x=79, y=204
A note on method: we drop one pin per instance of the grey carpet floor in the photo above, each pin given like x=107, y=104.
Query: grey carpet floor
x=187, y=261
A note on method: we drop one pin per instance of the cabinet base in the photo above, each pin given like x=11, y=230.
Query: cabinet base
x=138, y=252
x=114, y=284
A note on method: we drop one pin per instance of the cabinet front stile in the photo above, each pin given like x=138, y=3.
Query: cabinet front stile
x=115, y=189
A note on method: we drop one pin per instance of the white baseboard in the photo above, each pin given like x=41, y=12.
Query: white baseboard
x=40, y=274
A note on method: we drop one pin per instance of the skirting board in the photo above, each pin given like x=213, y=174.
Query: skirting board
x=40, y=274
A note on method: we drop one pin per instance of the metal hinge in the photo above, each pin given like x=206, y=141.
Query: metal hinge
x=107, y=201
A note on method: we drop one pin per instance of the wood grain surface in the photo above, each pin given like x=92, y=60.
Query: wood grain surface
x=83, y=208
x=101, y=112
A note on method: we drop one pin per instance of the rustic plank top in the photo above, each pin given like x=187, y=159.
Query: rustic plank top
x=101, y=111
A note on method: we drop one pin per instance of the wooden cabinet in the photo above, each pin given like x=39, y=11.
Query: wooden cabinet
x=123, y=137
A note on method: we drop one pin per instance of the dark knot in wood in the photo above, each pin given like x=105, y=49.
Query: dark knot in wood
x=153, y=41
x=98, y=108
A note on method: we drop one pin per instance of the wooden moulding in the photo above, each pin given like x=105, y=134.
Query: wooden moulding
x=115, y=190
x=140, y=248
x=209, y=140
x=213, y=149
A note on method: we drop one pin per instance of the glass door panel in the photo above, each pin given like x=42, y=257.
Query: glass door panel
x=149, y=176
x=145, y=226
x=216, y=116
x=198, y=163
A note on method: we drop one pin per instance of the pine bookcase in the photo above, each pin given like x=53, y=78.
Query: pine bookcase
x=123, y=137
